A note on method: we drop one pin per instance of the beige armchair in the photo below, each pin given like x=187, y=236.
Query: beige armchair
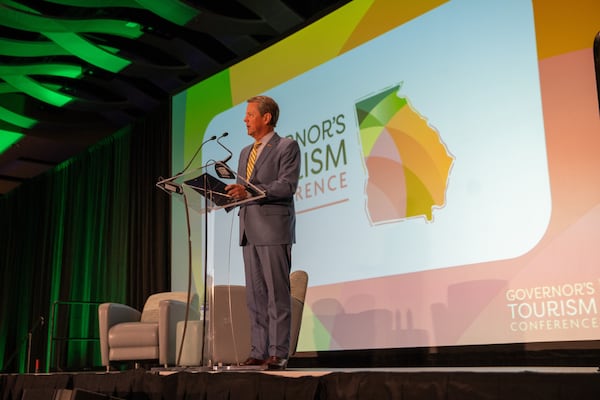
x=231, y=323
x=127, y=334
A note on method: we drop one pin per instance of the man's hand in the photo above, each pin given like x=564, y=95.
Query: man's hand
x=237, y=191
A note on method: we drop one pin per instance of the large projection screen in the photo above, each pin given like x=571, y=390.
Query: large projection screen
x=450, y=183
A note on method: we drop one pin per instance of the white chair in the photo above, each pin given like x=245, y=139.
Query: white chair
x=127, y=334
x=231, y=323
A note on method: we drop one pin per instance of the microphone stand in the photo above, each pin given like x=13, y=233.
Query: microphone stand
x=39, y=323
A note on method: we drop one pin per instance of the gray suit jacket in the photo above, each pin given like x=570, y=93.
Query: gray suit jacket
x=271, y=220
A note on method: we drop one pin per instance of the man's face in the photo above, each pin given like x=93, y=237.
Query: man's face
x=256, y=124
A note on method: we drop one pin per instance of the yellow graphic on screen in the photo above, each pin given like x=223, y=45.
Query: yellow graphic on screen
x=407, y=163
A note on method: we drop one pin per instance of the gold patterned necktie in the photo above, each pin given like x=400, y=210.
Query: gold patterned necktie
x=252, y=160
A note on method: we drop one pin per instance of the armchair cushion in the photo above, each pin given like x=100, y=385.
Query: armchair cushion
x=133, y=334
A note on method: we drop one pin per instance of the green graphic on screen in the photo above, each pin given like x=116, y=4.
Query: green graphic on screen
x=407, y=163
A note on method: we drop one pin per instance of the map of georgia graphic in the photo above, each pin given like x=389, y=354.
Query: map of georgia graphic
x=407, y=163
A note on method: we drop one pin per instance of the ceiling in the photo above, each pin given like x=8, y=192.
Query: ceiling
x=74, y=71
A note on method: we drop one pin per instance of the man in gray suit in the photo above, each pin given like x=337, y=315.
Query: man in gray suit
x=267, y=231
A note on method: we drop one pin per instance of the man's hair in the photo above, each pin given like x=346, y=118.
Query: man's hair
x=266, y=105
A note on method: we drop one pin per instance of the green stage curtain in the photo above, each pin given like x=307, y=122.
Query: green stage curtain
x=93, y=229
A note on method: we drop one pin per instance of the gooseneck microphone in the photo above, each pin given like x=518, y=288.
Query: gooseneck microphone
x=221, y=166
x=196, y=153
x=225, y=147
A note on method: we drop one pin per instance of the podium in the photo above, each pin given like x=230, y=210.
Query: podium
x=202, y=192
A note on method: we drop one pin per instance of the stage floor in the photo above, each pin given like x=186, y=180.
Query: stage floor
x=489, y=383
x=296, y=372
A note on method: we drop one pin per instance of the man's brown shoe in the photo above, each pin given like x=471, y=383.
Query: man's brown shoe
x=251, y=361
x=276, y=363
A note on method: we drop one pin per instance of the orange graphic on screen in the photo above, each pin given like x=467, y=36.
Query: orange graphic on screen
x=407, y=163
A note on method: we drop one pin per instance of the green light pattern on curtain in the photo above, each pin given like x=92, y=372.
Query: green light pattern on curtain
x=90, y=210
x=92, y=230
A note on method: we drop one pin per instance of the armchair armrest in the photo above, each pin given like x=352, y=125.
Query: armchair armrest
x=110, y=314
x=169, y=314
